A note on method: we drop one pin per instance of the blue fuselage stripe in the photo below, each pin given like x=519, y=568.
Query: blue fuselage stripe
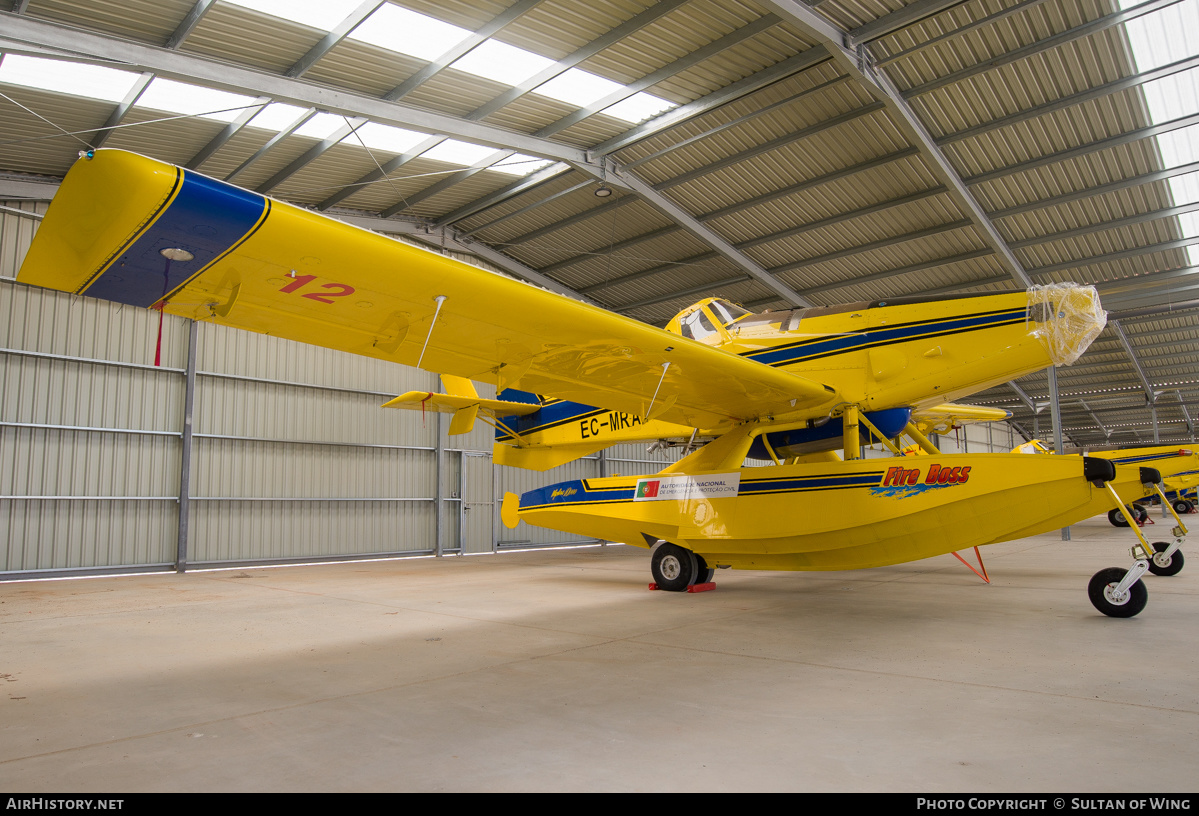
x=207, y=218
x=579, y=493
x=1148, y=457
x=881, y=336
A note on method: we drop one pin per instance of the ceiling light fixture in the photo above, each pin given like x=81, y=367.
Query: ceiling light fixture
x=603, y=191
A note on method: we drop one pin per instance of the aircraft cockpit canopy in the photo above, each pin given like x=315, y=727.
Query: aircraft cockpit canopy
x=727, y=313
x=707, y=320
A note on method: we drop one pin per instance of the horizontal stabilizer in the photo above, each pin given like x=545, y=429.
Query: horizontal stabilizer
x=464, y=409
x=944, y=418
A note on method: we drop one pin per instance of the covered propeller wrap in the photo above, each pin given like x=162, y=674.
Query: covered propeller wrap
x=1066, y=317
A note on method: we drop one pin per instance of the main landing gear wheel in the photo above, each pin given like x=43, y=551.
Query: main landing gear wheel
x=674, y=568
x=1103, y=596
x=1182, y=506
x=703, y=573
x=1138, y=513
x=1161, y=564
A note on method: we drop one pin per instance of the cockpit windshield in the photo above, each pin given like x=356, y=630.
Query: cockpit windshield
x=697, y=326
x=728, y=313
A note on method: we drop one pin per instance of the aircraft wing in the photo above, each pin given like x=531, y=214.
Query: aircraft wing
x=127, y=228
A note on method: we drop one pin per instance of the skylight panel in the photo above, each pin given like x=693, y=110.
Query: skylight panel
x=405, y=31
x=519, y=164
x=1164, y=36
x=1185, y=189
x=1173, y=96
x=577, y=87
x=385, y=137
x=1179, y=146
x=1158, y=39
x=505, y=63
x=77, y=79
x=276, y=116
x=453, y=151
x=179, y=97
x=322, y=14
x=322, y=126
x=638, y=107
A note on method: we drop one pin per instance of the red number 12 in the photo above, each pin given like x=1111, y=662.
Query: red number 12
x=338, y=289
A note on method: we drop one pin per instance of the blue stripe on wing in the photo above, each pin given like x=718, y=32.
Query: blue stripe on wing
x=207, y=218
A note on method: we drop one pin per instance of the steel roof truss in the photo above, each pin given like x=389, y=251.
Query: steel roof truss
x=339, y=33
x=1150, y=396
x=189, y=23
x=119, y=113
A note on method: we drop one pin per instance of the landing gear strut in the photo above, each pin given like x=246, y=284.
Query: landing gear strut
x=1120, y=593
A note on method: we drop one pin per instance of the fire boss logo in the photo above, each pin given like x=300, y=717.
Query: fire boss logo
x=937, y=475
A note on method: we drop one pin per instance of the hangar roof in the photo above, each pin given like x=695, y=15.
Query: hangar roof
x=643, y=155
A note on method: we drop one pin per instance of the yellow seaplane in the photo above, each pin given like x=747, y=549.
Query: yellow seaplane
x=788, y=388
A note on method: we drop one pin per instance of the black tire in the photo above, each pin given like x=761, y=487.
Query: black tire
x=703, y=573
x=673, y=567
x=1117, y=518
x=1134, y=601
x=1182, y=506
x=1140, y=514
x=1170, y=567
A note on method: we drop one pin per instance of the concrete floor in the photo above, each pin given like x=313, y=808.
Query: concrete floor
x=560, y=671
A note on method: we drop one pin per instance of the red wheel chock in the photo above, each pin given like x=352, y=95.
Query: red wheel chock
x=708, y=587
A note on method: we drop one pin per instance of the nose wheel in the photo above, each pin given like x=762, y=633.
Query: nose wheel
x=1167, y=558
x=1119, y=593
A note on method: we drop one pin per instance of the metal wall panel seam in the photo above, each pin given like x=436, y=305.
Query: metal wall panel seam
x=297, y=498
x=307, y=442
x=529, y=545
x=85, y=428
x=390, y=555
x=83, y=572
x=242, y=377
x=89, y=498
x=69, y=358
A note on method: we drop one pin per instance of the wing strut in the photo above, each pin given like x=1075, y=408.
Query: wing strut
x=440, y=300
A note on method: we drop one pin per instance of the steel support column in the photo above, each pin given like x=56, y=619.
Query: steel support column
x=1055, y=409
x=185, y=458
x=439, y=493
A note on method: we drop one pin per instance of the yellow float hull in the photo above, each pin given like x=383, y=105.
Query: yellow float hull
x=827, y=515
